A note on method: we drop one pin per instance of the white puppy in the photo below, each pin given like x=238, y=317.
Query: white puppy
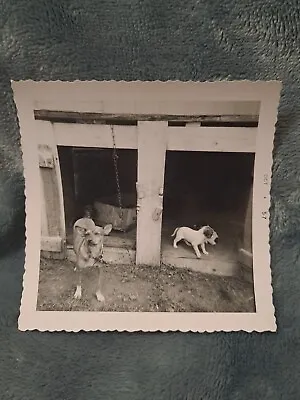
x=195, y=238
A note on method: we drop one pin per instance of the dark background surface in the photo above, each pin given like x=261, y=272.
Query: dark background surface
x=213, y=181
x=149, y=40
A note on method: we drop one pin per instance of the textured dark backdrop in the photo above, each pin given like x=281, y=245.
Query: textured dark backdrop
x=149, y=40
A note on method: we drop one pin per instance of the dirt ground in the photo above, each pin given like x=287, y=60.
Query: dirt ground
x=132, y=288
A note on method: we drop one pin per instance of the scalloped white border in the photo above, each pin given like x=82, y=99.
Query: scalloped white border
x=28, y=93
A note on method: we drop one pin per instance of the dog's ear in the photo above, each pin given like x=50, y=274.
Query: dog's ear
x=107, y=229
x=208, y=232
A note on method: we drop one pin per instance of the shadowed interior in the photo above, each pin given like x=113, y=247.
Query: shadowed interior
x=200, y=188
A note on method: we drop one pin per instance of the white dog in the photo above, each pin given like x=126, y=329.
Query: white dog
x=195, y=238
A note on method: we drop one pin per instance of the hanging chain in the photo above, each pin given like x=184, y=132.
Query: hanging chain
x=115, y=158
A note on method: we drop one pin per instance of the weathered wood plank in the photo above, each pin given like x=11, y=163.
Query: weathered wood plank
x=110, y=118
x=44, y=220
x=53, y=220
x=95, y=136
x=151, y=166
x=212, y=139
x=50, y=191
x=189, y=138
x=52, y=243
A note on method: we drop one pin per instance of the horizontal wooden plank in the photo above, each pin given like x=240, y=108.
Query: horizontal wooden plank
x=118, y=104
x=189, y=138
x=51, y=243
x=95, y=136
x=212, y=139
x=109, y=118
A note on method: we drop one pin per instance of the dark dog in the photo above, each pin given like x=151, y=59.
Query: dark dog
x=88, y=246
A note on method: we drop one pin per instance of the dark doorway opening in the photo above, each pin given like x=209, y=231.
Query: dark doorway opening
x=207, y=188
x=89, y=179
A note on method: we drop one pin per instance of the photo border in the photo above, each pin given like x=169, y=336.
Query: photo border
x=58, y=95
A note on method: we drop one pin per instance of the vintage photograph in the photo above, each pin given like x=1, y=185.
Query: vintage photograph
x=202, y=232
x=144, y=200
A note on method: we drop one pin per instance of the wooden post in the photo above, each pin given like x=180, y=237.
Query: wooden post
x=53, y=233
x=152, y=145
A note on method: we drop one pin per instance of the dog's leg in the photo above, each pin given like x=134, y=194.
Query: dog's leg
x=203, y=248
x=195, y=247
x=176, y=240
x=77, y=294
x=99, y=295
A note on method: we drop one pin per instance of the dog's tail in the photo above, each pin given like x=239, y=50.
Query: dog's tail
x=174, y=233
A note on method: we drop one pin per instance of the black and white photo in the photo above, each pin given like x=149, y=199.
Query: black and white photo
x=147, y=205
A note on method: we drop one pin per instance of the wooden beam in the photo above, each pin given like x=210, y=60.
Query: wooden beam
x=219, y=139
x=78, y=135
x=151, y=167
x=189, y=138
x=52, y=203
x=123, y=118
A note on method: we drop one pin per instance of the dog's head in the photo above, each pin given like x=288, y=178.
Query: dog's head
x=210, y=235
x=96, y=236
x=86, y=228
